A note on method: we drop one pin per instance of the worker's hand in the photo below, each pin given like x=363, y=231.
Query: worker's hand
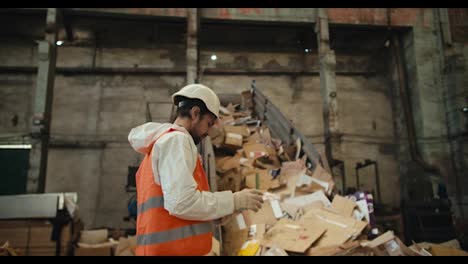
x=248, y=199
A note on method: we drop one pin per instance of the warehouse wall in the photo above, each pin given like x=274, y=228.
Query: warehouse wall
x=15, y=108
x=94, y=111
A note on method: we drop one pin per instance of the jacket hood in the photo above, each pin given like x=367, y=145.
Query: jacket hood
x=142, y=136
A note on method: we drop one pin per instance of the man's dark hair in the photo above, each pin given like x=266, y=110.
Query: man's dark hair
x=186, y=104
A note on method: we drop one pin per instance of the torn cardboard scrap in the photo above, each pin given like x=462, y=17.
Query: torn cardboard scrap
x=339, y=228
x=291, y=236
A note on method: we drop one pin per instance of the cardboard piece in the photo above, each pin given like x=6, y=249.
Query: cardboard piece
x=246, y=99
x=320, y=174
x=292, y=172
x=299, y=205
x=339, y=228
x=344, y=206
x=98, y=251
x=269, y=163
x=242, y=130
x=277, y=211
x=94, y=236
x=291, y=236
x=257, y=231
x=215, y=247
x=255, y=150
x=231, y=108
x=278, y=183
x=302, y=201
x=254, y=138
x=231, y=180
x=225, y=164
x=227, y=120
x=275, y=251
x=126, y=246
x=233, y=237
x=265, y=215
x=437, y=250
x=224, y=110
x=216, y=134
x=265, y=134
x=264, y=179
x=337, y=250
x=389, y=244
x=246, y=162
x=385, y=237
x=233, y=241
x=234, y=140
x=451, y=244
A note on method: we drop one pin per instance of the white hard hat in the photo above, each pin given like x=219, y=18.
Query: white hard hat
x=200, y=91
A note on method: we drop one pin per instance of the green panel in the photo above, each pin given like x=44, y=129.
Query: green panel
x=13, y=171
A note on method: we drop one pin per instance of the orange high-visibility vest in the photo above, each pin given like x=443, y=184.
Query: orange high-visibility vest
x=158, y=232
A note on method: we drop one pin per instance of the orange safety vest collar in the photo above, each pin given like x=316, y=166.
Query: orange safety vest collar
x=158, y=232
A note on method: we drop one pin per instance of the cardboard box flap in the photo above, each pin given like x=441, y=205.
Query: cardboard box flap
x=234, y=140
x=246, y=162
x=215, y=247
x=265, y=216
x=437, y=250
x=336, y=250
x=265, y=134
x=264, y=181
x=451, y=244
x=320, y=174
x=257, y=231
x=292, y=172
x=291, y=236
x=227, y=163
x=224, y=110
x=344, y=206
x=231, y=107
x=254, y=138
x=255, y=150
x=339, y=228
x=302, y=201
x=385, y=237
x=269, y=163
x=93, y=236
x=242, y=130
x=126, y=246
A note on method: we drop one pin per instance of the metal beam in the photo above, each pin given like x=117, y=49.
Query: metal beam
x=345, y=71
x=43, y=95
x=134, y=12
x=328, y=90
x=192, y=45
x=260, y=14
x=400, y=17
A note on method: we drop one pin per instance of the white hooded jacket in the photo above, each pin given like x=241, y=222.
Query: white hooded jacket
x=174, y=159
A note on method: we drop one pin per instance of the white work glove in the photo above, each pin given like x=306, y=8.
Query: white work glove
x=248, y=199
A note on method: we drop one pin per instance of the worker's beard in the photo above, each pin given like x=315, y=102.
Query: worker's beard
x=196, y=139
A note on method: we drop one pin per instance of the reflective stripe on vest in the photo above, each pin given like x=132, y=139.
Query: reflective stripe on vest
x=174, y=234
x=153, y=202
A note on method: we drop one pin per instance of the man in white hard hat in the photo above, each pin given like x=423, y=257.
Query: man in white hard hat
x=175, y=206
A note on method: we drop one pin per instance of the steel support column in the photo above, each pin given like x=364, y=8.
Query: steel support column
x=42, y=108
x=328, y=90
x=192, y=45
